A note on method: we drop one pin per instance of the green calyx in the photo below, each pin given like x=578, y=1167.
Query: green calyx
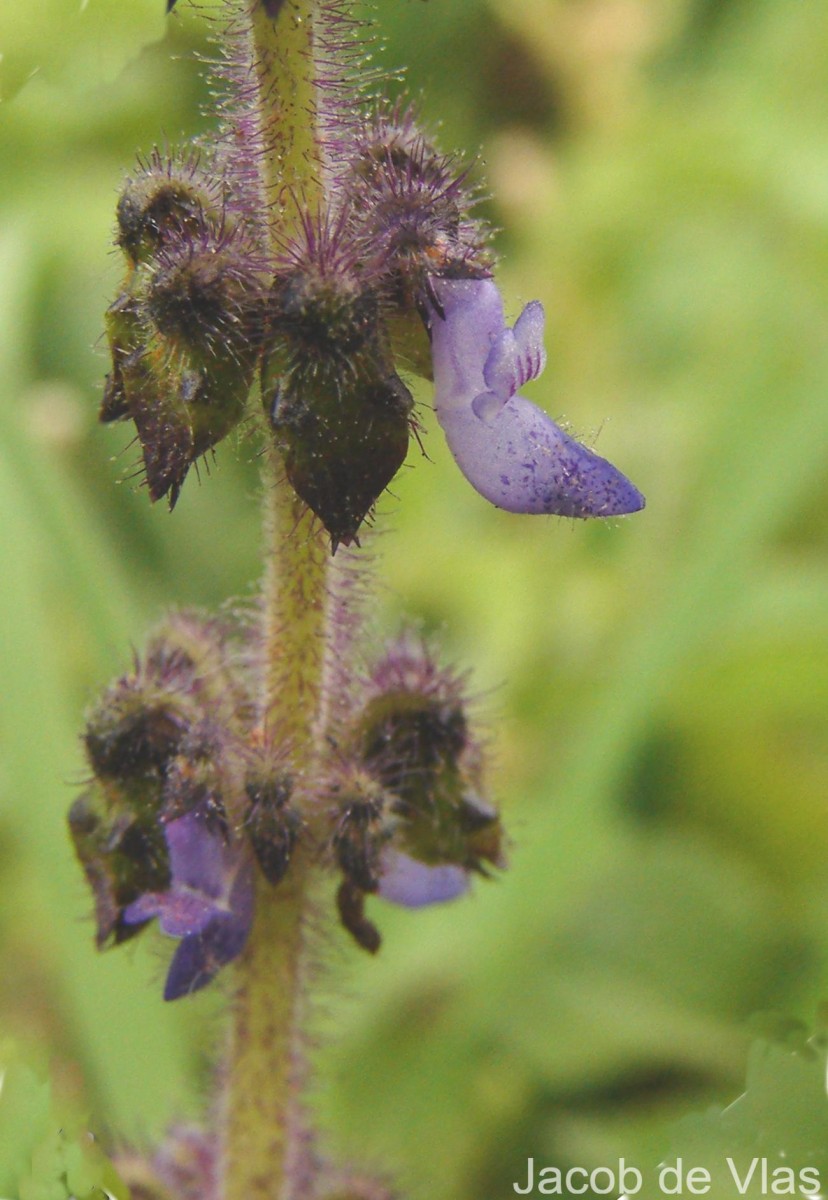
x=340, y=414
x=122, y=857
x=165, y=198
x=185, y=332
x=415, y=737
x=343, y=441
x=272, y=825
x=160, y=742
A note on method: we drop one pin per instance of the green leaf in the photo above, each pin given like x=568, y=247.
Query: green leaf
x=45, y=1153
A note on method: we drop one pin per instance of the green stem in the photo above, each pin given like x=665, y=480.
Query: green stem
x=262, y=1148
x=266, y=1148
x=284, y=65
x=265, y=1152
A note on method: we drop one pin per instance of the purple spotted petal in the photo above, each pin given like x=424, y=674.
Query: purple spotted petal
x=522, y=461
x=512, y=453
x=202, y=955
x=406, y=881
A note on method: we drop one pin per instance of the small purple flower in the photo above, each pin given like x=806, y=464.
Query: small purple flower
x=414, y=884
x=209, y=904
x=509, y=449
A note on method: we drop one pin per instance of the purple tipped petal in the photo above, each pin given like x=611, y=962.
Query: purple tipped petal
x=145, y=908
x=220, y=938
x=201, y=955
x=517, y=355
x=509, y=449
x=414, y=884
x=179, y=914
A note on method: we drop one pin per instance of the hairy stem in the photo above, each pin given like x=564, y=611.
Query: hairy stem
x=266, y=1154
x=283, y=57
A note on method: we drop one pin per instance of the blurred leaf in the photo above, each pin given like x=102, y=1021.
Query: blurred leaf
x=772, y=1134
x=45, y=1155
x=79, y=43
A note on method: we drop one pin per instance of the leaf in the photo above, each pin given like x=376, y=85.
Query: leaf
x=45, y=1153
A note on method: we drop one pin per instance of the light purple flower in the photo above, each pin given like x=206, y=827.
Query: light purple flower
x=406, y=881
x=209, y=903
x=509, y=449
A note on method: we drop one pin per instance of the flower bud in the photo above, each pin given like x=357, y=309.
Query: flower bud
x=271, y=824
x=122, y=857
x=411, y=823
x=142, y=720
x=200, y=655
x=161, y=743
x=185, y=332
x=124, y=333
x=416, y=741
x=412, y=206
x=196, y=778
x=205, y=293
x=135, y=731
x=350, y=903
x=340, y=414
x=134, y=392
x=343, y=441
x=363, y=826
x=181, y=408
x=165, y=198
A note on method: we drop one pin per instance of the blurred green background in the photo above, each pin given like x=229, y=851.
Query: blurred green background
x=655, y=689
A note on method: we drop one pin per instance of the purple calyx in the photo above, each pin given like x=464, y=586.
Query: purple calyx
x=510, y=451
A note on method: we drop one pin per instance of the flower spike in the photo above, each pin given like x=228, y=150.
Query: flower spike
x=411, y=825
x=510, y=451
x=322, y=246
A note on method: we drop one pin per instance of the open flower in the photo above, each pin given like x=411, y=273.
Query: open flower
x=406, y=881
x=412, y=824
x=509, y=449
x=209, y=903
